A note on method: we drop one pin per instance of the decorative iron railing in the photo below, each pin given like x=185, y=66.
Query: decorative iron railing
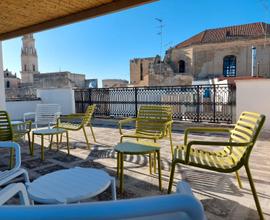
x=211, y=103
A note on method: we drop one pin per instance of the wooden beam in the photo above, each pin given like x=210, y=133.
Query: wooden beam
x=114, y=6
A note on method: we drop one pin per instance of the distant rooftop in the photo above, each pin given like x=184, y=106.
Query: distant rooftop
x=230, y=33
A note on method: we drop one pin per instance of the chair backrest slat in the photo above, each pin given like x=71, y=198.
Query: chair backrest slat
x=152, y=118
x=88, y=114
x=46, y=113
x=5, y=127
x=246, y=130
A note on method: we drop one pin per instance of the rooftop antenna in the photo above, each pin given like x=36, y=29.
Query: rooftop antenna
x=160, y=33
x=265, y=5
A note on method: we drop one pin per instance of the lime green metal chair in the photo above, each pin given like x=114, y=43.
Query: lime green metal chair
x=75, y=122
x=152, y=122
x=7, y=133
x=234, y=156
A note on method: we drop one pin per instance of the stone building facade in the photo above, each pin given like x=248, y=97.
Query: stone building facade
x=220, y=52
x=60, y=80
x=11, y=80
x=114, y=83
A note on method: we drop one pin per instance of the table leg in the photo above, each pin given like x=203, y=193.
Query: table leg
x=159, y=170
x=121, y=172
x=61, y=137
x=33, y=142
x=150, y=163
x=117, y=165
x=68, y=143
x=50, y=146
x=42, y=147
x=155, y=163
x=57, y=141
x=113, y=187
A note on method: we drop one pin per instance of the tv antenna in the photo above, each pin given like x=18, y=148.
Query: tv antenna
x=160, y=33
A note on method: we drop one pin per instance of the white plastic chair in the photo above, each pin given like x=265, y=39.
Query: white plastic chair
x=16, y=171
x=11, y=190
x=46, y=114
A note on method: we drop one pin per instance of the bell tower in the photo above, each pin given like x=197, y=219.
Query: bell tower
x=29, y=59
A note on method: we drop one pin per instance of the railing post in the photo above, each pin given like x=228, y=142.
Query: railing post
x=90, y=96
x=214, y=102
x=198, y=103
x=136, y=101
x=82, y=101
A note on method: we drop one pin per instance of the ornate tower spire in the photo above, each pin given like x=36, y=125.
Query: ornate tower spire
x=29, y=59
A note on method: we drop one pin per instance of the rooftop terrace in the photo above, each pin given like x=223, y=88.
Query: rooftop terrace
x=219, y=193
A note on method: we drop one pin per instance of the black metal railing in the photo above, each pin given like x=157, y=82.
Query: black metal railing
x=211, y=103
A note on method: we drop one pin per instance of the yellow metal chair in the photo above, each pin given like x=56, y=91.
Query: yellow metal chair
x=7, y=133
x=75, y=122
x=152, y=123
x=235, y=154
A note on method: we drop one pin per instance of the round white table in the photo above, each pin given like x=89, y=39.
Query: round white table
x=70, y=185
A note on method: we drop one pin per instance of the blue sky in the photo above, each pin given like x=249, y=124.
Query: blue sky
x=102, y=47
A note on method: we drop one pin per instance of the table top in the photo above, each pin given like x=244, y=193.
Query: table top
x=16, y=122
x=141, y=147
x=50, y=131
x=69, y=185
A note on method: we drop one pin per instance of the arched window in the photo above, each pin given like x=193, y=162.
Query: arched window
x=141, y=71
x=34, y=67
x=8, y=84
x=24, y=67
x=229, y=66
x=182, y=66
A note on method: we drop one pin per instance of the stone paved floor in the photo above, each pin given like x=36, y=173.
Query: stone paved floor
x=219, y=193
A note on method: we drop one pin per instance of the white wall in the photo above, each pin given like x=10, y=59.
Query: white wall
x=2, y=85
x=17, y=108
x=64, y=97
x=253, y=95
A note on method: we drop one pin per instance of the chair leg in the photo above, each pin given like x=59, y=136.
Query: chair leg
x=29, y=142
x=238, y=180
x=86, y=139
x=33, y=143
x=255, y=196
x=171, y=176
x=93, y=134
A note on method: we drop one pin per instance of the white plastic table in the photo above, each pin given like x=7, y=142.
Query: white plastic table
x=70, y=185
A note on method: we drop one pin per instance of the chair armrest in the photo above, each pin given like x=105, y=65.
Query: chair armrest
x=125, y=121
x=28, y=114
x=11, y=190
x=214, y=143
x=23, y=127
x=11, y=144
x=205, y=130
